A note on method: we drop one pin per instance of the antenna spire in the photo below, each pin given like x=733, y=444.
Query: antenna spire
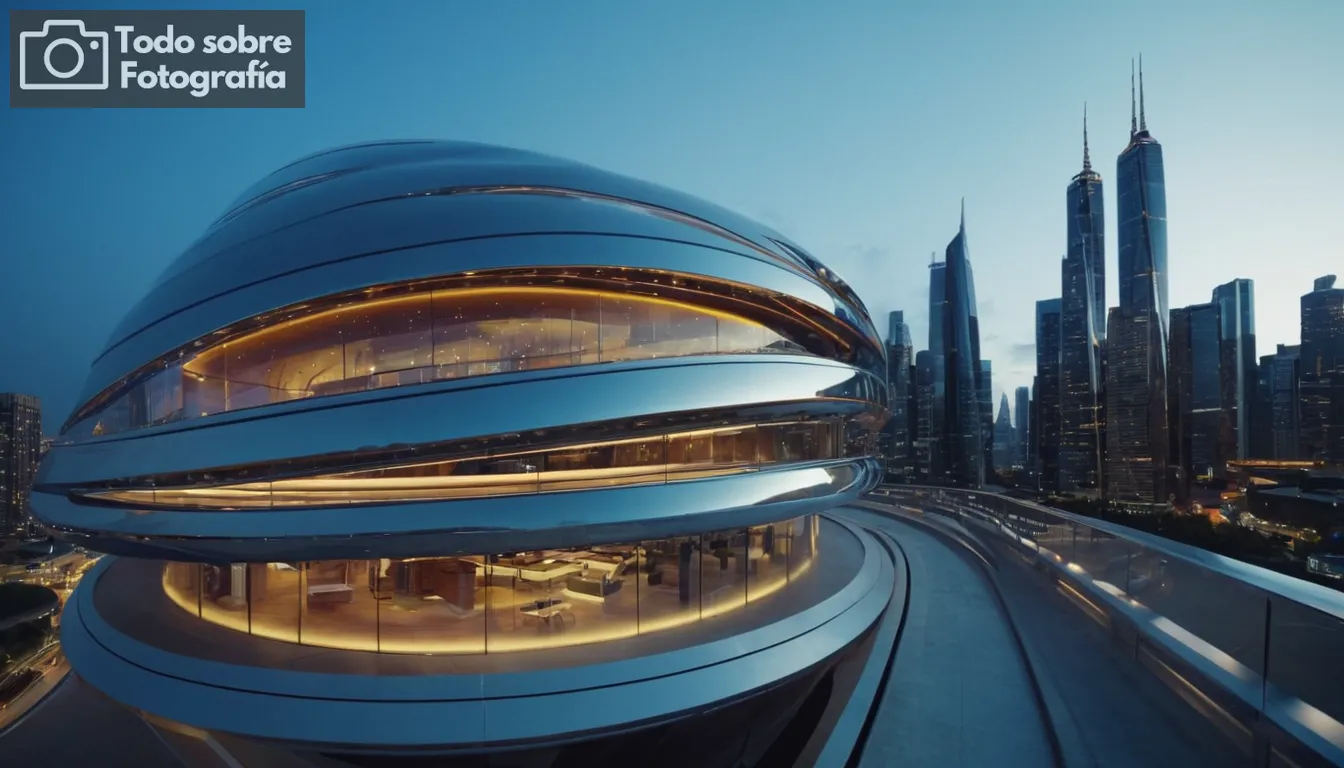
x=1087, y=156
x=1133, y=119
x=963, y=214
x=1143, y=123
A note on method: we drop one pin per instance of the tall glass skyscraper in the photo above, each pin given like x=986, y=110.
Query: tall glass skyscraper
x=1237, y=370
x=926, y=429
x=1003, y=436
x=1195, y=394
x=963, y=415
x=1021, y=420
x=900, y=353
x=1281, y=374
x=984, y=391
x=935, y=445
x=1047, y=397
x=1136, y=396
x=20, y=449
x=1083, y=329
x=1322, y=369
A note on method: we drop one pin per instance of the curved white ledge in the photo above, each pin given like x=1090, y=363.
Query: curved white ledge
x=466, y=526
x=443, y=413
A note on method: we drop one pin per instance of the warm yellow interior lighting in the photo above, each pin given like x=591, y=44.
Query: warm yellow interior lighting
x=447, y=294
x=501, y=602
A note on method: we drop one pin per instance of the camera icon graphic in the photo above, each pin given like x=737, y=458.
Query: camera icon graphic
x=38, y=71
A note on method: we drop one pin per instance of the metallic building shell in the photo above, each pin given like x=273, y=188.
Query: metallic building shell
x=395, y=213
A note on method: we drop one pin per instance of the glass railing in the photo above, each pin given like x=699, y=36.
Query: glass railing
x=1269, y=643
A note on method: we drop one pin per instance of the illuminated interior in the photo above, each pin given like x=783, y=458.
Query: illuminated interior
x=634, y=461
x=421, y=335
x=502, y=603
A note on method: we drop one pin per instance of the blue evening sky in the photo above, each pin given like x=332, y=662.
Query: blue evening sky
x=854, y=126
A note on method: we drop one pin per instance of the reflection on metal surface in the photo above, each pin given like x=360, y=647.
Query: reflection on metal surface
x=632, y=461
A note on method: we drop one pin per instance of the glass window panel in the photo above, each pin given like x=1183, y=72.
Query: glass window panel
x=602, y=465
x=224, y=595
x=182, y=583
x=386, y=336
x=723, y=571
x=768, y=560
x=164, y=396
x=339, y=607
x=274, y=597
x=669, y=583
x=430, y=605
x=616, y=334
x=737, y=335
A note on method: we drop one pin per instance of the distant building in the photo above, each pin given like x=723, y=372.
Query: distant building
x=1321, y=391
x=963, y=423
x=1003, y=437
x=1194, y=395
x=1237, y=369
x=1137, y=440
x=927, y=435
x=1281, y=402
x=20, y=451
x=1082, y=330
x=985, y=395
x=937, y=369
x=899, y=442
x=1022, y=418
x=1047, y=396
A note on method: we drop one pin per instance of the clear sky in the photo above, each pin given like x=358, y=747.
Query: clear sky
x=853, y=126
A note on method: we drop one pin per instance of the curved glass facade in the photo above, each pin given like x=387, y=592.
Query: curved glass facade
x=427, y=335
x=633, y=461
x=507, y=602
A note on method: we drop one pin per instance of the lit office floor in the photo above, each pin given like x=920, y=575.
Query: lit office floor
x=130, y=596
x=507, y=613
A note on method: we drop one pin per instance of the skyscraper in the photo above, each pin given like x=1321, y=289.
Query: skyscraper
x=926, y=430
x=1047, y=396
x=899, y=358
x=963, y=415
x=1195, y=394
x=1237, y=370
x=1322, y=369
x=1021, y=420
x=1136, y=393
x=935, y=446
x=1282, y=398
x=20, y=451
x=1003, y=437
x=984, y=391
x=1082, y=329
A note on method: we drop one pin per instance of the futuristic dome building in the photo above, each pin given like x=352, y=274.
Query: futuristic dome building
x=440, y=448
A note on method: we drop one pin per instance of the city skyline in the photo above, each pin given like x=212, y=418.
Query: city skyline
x=863, y=156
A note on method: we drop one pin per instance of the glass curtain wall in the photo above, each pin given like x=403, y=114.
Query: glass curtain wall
x=500, y=603
x=429, y=336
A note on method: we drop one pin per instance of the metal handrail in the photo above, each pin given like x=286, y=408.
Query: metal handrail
x=1275, y=690
x=1323, y=599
